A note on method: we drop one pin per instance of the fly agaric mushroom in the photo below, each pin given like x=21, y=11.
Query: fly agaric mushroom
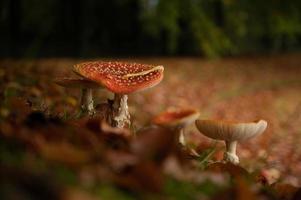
x=177, y=119
x=121, y=79
x=86, y=86
x=231, y=133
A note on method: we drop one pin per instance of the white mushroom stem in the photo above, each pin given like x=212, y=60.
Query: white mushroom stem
x=230, y=154
x=87, y=104
x=182, y=137
x=180, y=134
x=121, y=116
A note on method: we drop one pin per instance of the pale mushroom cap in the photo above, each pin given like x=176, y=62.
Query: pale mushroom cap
x=173, y=118
x=230, y=131
x=77, y=83
x=115, y=75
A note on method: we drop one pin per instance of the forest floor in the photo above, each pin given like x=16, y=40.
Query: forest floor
x=38, y=138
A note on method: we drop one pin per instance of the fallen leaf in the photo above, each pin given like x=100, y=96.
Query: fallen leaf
x=62, y=152
x=285, y=191
x=145, y=176
x=153, y=143
x=233, y=170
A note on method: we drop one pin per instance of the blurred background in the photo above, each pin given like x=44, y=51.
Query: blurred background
x=98, y=28
x=235, y=60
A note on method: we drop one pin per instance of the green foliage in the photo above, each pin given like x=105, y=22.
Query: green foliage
x=225, y=27
x=206, y=155
x=169, y=27
x=106, y=191
x=187, y=190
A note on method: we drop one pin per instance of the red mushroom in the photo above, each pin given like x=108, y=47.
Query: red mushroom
x=121, y=79
x=177, y=119
x=86, y=86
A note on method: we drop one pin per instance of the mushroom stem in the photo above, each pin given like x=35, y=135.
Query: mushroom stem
x=230, y=154
x=182, y=140
x=179, y=131
x=121, y=116
x=87, y=104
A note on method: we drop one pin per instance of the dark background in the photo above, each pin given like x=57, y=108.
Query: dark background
x=96, y=28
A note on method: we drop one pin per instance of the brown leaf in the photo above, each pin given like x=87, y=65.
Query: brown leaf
x=243, y=190
x=285, y=191
x=110, y=137
x=228, y=194
x=119, y=160
x=107, y=129
x=233, y=170
x=144, y=176
x=90, y=123
x=153, y=143
x=62, y=152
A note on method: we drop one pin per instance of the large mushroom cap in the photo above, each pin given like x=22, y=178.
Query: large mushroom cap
x=178, y=117
x=230, y=131
x=77, y=83
x=119, y=77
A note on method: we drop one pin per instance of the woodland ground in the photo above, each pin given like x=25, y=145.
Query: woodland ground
x=239, y=89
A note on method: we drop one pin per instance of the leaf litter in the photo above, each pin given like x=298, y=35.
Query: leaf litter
x=49, y=151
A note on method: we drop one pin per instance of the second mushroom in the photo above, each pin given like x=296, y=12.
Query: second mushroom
x=231, y=133
x=86, y=86
x=177, y=119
